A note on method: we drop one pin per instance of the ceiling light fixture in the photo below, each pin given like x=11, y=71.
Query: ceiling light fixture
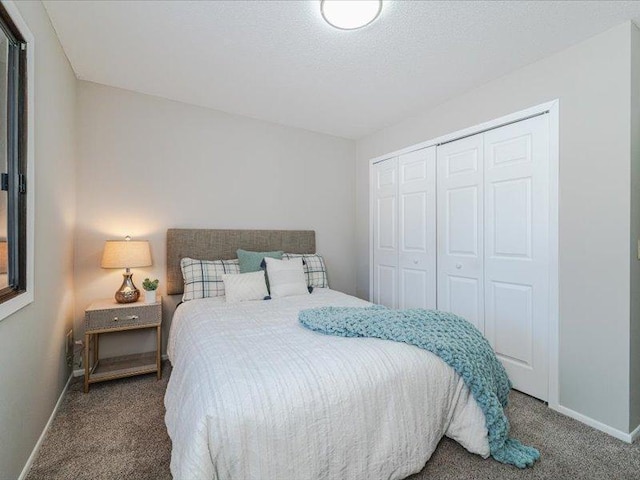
x=350, y=14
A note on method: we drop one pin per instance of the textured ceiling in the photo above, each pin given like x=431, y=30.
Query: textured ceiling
x=279, y=61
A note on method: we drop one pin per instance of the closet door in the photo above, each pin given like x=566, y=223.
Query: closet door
x=385, y=233
x=417, y=239
x=460, y=229
x=517, y=251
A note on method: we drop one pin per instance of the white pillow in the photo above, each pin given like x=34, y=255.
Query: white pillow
x=245, y=286
x=286, y=277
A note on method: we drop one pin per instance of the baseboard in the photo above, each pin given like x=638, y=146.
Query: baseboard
x=38, y=444
x=79, y=372
x=635, y=434
x=614, y=432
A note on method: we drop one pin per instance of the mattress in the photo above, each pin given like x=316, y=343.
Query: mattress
x=254, y=395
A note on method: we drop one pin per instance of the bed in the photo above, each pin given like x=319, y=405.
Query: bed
x=253, y=395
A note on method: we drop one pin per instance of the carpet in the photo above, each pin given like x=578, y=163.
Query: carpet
x=117, y=431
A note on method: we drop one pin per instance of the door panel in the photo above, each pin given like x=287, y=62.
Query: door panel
x=517, y=251
x=464, y=298
x=386, y=285
x=465, y=161
x=415, y=288
x=460, y=228
x=417, y=244
x=462, y=220
x=385, y=233
x=386, y=221
x=512, y=220
x=414, y=216
x=513, y=322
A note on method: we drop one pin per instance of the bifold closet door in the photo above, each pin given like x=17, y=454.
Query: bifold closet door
x=417, y=229
x=460, y=221
x=517, y=250
x=385, y=233
x=491, y=242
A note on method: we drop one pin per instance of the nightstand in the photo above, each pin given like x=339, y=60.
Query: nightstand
x=107, y=316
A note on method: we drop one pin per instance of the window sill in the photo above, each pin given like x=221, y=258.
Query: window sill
x=17, y=302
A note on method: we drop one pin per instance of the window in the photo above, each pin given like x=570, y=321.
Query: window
x=15, y=121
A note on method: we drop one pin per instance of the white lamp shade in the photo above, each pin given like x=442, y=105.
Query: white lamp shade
x=126, y=254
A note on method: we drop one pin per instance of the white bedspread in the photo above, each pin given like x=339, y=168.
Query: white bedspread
x=253, y=395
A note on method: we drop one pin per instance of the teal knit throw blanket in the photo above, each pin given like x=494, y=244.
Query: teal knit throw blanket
x=455, y=341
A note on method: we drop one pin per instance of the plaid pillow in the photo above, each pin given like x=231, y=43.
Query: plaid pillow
x=314, y=269
x=203, y=278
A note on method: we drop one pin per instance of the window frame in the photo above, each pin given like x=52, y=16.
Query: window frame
x=20, y=206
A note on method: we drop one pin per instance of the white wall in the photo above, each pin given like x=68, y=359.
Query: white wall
x=32, y=365
x=148, y=164
x=592, y=81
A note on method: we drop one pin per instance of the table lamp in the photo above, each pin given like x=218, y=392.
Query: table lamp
x=126, y=254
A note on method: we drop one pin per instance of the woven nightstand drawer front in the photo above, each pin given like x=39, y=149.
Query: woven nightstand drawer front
x=123, y=317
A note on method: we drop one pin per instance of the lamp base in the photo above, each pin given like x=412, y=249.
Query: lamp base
x=127, y=293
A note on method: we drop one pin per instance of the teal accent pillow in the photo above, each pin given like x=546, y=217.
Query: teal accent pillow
x=250, y=261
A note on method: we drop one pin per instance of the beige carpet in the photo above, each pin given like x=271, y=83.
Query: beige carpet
x=117, y=432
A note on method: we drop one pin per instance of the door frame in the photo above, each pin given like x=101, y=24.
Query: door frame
x=551, y=108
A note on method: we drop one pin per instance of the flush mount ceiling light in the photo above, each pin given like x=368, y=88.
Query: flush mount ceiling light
x=350, y=14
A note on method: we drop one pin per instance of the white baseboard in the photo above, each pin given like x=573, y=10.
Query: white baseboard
x=635, y=434
x=614, y=432
x=38, y=444
x=79, y=372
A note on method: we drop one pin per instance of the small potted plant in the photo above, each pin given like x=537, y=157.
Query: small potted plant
x=150, y=288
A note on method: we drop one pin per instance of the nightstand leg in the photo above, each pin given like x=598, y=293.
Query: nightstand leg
x=96, y=347
x=87, y=339
x=158, y=351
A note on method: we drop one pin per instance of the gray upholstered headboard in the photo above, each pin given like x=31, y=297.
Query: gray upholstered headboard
x=222, y=245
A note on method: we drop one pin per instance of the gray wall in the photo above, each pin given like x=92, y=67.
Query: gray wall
x=32, y=365
x=147, y=164
x=592, y=81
